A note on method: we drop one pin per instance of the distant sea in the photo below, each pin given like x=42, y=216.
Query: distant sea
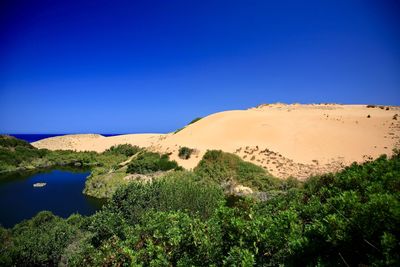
x=35, y=137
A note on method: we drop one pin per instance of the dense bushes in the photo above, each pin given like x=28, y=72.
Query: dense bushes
x=15, y=153
x=148, y=162
x=185, y=152
x=218, y=166
x=8, y=141
x=18, y=155
x=175, y=191
x=39, y=241
x=124, y=149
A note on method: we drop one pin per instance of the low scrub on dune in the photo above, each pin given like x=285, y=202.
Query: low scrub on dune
x=102, y=183
x=185, y=152
x=219, y=167
x=195, y=120
x=191, y=122
x=148, y=162
x=124, y=149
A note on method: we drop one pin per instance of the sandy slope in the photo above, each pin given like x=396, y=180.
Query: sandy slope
x=288, y=140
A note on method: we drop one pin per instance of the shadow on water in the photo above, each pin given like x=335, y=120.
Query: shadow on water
x=62, y=194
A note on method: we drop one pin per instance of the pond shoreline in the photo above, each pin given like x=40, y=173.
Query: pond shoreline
x=63, y=194
x=38, y=168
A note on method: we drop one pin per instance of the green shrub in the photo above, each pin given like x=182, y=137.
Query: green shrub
x=191, y=122
x=185, y=152
x=40, y=241
x=178, y=130
x=105, y=224
x=124, y=149
x=175, y=191
x=8, y=141
x=218, y=166
x=239, y=257
x=148, y=162
x=172, y=239
x=195, y=120
x=5, y=246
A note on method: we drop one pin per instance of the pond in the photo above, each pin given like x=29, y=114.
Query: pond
x=61, y=194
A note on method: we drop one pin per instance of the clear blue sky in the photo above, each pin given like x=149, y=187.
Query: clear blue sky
x=152, y=66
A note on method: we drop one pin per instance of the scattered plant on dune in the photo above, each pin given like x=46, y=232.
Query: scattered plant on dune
x=195, y=120
x=185, y=152
x=191, y=122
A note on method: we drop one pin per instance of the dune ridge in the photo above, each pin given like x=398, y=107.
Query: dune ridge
x=287, y=140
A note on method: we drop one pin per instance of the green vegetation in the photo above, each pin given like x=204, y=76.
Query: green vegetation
x=39, y=241
x=18, y=155
x=106, y=173
x=124, y=149
x=102, y=183
x=10, y=142
x=351, y=218
x=178, y=130
x=217, y=166
x=195, y=120
x=183, y=218
x=148, y=162
x=175, y=191
x=185, y=152
x=191, y=122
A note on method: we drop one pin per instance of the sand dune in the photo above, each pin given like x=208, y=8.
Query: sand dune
x=288, y=140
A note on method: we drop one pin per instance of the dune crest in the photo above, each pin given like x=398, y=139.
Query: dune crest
x=287, y=140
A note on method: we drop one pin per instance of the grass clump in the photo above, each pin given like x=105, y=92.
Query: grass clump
x=185, y=152
x=148, y=162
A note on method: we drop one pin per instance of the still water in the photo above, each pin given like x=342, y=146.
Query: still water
x=62, y=195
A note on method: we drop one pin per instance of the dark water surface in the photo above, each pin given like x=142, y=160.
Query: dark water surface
x=62, y=195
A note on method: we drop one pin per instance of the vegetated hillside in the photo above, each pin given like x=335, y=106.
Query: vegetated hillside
x=351, y=218
x=219, y=167
x=143, y=166
x=287, y=140
x=18, y=155
x=222, y=169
